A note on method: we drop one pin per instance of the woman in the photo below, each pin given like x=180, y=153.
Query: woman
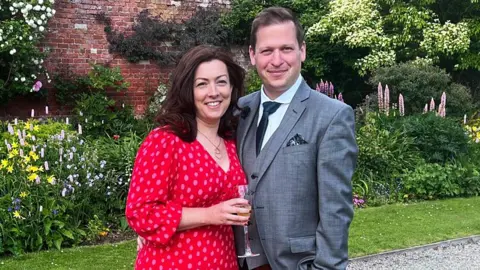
x=182, y=198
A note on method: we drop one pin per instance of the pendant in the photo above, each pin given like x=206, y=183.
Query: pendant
x=218, y=155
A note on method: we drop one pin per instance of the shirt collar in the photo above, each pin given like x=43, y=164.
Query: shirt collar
x=286, y=97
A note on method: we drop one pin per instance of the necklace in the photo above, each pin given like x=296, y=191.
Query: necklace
x=217, y=152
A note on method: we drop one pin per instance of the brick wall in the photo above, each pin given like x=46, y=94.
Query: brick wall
x=75, y=39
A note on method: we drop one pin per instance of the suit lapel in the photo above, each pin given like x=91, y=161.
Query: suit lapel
x=245, y=124
x=291, y=117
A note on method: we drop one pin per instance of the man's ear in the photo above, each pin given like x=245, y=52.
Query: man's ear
x=303, y=49
x=251, y=52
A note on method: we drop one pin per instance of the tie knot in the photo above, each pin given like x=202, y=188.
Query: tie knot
x=270, y=107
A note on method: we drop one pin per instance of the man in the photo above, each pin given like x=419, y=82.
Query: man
x=298, y=150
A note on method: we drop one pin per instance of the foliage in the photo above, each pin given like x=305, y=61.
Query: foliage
x=56, y=189
x=22, y=26
x=383, y=155
x=391, y=31
x=438, y=139
x=419, y=83
x=100, y=79
x=252, y=81
x=151, y=35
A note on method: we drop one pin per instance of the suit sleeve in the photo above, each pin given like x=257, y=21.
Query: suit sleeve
x=336, y=161
x=149, y=210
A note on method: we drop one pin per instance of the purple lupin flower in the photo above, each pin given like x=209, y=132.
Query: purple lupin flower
x=331, y=90
x=401, y=105
x=425, y=109
x=443, y=102
x=380, y=97
x=386, y=100
x=432, y=104
x=340, y=97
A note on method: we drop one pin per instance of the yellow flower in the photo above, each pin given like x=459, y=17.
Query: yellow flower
x=32, y=177
x=23, y=194
x=10, y=169
x=474, y=129
x=14, y=145
x=51, y=179
x=16, y=214
x=27, y=159
x=103, y=233
x=32, y=169
x=13, y=153
x=36, y=128
x=34, y=155
x=4, y=162
x=27, y=125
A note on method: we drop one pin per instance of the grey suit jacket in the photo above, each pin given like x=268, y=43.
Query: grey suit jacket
x=302, y=194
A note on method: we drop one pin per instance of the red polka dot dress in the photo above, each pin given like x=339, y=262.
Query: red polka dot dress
x=170, y=174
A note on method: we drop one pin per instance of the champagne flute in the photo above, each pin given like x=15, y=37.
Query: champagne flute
x=242, y=191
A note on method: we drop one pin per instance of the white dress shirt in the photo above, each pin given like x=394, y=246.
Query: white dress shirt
x=275, y=118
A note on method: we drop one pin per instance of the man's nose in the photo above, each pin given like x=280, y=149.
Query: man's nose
x=277, y=59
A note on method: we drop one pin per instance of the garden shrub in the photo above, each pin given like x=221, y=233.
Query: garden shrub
x=419, y=83
x=383, y=155
x=22, y=26
x=438, y=139
x=433, y=181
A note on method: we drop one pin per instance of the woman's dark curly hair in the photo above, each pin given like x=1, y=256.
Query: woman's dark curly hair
x=178, y=110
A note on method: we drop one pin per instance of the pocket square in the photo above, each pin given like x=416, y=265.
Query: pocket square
x=296, y=140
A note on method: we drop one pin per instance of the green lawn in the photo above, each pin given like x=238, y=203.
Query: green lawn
x=373, y=230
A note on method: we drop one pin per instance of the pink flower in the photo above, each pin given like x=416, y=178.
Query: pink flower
x=432, y=104
x=401, y=105
x=386, y=100
x=37, y=86
x=380, y=97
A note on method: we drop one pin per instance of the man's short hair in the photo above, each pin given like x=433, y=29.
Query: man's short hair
x=275, y=15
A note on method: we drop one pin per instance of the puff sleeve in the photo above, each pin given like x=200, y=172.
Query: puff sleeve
x=150, y=212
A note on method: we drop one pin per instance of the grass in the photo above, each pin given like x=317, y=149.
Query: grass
x=373, y=230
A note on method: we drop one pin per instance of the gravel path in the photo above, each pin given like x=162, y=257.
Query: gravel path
x=450, y=255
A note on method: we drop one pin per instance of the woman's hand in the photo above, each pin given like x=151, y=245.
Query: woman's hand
x=140, y=243
x=232, y=212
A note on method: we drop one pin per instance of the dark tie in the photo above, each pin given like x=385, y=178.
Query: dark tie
x=269, y=107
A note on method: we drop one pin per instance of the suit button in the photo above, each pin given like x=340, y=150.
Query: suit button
x=254, y=176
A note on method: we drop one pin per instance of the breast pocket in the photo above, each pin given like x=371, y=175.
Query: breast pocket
x=298, y=148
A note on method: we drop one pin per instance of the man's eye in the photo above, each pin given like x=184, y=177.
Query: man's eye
x=288, y=49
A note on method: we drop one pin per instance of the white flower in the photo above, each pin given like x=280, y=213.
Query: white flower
x=41, y=28
x=24, y=10
x=39, y=22
x=52, y=1
x=49, y=10
x=20, y=38
x=29, y=7
x=40, y=2
x=37, y=8
x=43, y=16
x=43, y=8
x=11, y=9
x=30, y=38
x=13, y=51
x=53, y=11
x=16, y=79
x=22, y=79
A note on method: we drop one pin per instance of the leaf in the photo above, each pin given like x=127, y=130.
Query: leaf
x=59, y=224
x=58, y=240
x=39, y=242
x=47, y=226
x=67, y=233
